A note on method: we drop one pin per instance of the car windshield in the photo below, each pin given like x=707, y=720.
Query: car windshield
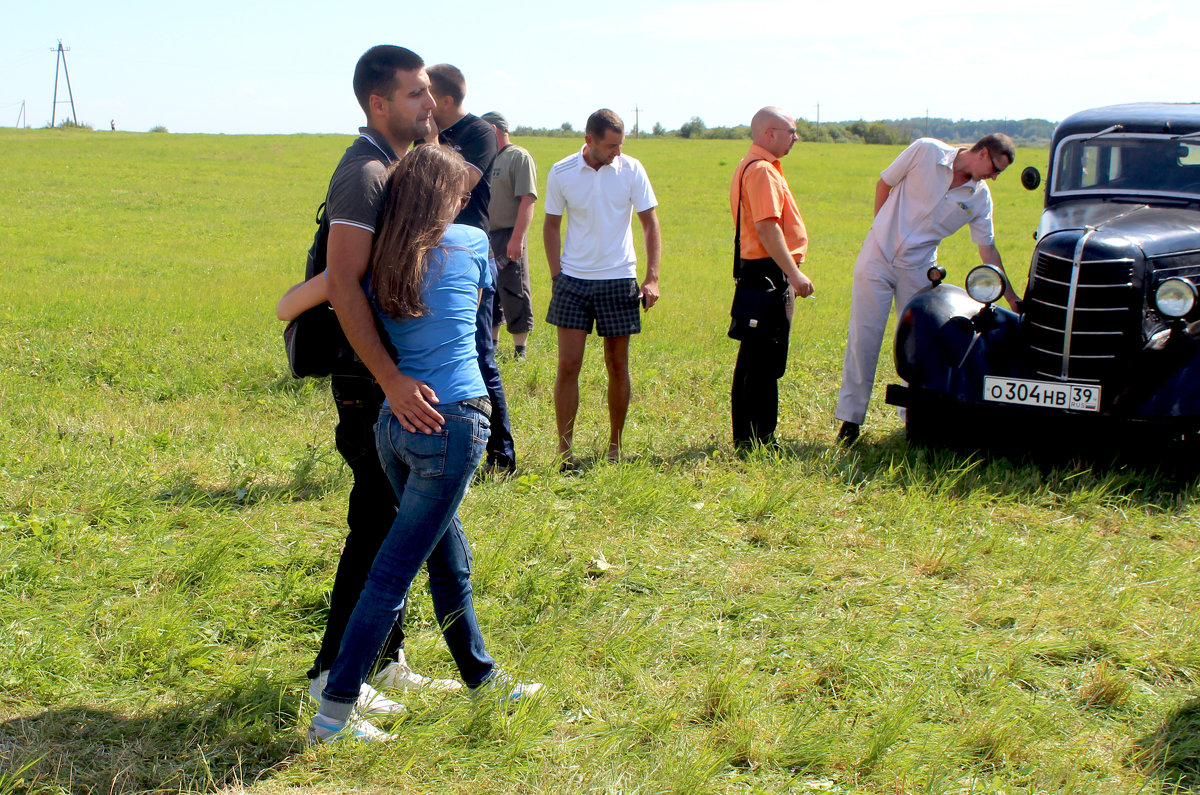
x=1135, y=165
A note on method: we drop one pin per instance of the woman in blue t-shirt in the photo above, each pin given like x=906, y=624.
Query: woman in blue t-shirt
x=425, y=278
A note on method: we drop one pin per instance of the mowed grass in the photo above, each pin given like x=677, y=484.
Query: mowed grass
x=880, y=620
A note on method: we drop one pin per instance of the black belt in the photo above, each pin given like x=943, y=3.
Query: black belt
x=480, y=404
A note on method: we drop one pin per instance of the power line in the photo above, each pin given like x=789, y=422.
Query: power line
x=61, y=57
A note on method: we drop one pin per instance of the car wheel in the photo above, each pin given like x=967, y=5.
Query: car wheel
x=923, y=426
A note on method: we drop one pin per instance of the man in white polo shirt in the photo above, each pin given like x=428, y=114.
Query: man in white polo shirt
x=595, y=273
x=928, y=193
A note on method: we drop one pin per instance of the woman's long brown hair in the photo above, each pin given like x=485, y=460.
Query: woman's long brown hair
x=424, y=189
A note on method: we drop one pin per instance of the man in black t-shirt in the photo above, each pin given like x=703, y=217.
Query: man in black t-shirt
x=469, y=135
x=473, y=138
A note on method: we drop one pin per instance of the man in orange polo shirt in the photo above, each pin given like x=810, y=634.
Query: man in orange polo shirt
x=773, y=241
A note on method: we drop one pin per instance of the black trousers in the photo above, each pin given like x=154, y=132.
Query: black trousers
x=371, y=511
x=500, y=449
x=761, y=362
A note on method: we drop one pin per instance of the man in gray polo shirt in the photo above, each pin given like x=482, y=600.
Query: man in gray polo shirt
x=393, y=90
x=510, y=211
x=595, y=273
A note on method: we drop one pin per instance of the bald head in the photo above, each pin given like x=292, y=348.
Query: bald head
x=772, y=129
x=764, y=119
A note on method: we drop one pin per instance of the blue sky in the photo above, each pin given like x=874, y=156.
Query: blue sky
x=274, y=67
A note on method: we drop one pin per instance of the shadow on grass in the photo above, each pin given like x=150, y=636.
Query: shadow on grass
x=286, y=385
x=1140, y=476
x=313, y=477
x=686, y=455
x=585, y=464
x=199, y=747
x=1172, y=753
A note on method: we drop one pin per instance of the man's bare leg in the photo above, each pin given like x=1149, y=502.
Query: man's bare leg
x=571, y=344
x=616, y=361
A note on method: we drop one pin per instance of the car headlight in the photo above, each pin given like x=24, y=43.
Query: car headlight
x=985, y=284
x=1175, y=297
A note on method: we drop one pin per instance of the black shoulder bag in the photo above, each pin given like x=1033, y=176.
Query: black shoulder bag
x=759, y=306
x=315, y=343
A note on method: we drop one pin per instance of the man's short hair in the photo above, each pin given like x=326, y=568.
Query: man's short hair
x=376, y=71
x=997, y=144
x=447, y=81
x=603, y=120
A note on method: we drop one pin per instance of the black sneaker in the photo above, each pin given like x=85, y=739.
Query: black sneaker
x=848, y=434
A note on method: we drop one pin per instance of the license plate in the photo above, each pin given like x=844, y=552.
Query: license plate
x=1047, y=394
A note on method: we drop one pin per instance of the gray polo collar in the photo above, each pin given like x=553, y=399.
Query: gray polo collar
x=376, y=139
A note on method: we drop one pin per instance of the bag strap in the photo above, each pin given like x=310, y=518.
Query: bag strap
x=315, y=262
x=317, y=252
x=737, y=227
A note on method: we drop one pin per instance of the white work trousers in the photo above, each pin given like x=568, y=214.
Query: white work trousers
x=876, y=284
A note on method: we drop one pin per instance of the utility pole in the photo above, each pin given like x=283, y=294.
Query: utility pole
x=818, y=122
x=61, y=57
x=637, y=128
x=20, y=114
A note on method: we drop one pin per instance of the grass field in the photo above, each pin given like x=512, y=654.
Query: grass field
x=882, y=620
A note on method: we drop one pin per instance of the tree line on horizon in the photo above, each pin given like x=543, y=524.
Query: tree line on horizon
x=883, y=131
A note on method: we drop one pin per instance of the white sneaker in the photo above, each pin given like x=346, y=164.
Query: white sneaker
x=370, y=702
x=357, y=728
x=503, y=688
x=398, y=676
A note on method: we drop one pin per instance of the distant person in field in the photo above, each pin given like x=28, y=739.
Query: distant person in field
x=928, y=193
x=474, y=139
x=393, y=90
x=594, y=273
x=510, y=212
x=772, y=243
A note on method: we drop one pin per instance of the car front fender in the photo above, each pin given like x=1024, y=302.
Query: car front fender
x=947, y=342
x=1163, y=380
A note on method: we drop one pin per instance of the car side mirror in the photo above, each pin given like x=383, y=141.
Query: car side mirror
x=1031, y=178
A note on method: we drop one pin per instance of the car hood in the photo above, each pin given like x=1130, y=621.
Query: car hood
x=1156, y=230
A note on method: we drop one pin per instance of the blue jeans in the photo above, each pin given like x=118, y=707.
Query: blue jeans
x=429, y=473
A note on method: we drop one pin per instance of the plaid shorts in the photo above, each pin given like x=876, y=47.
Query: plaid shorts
x=611, y=303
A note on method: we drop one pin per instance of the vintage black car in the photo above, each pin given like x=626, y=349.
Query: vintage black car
x=1105, y=345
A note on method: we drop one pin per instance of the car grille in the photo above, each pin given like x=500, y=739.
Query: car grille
x=1080, y=313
